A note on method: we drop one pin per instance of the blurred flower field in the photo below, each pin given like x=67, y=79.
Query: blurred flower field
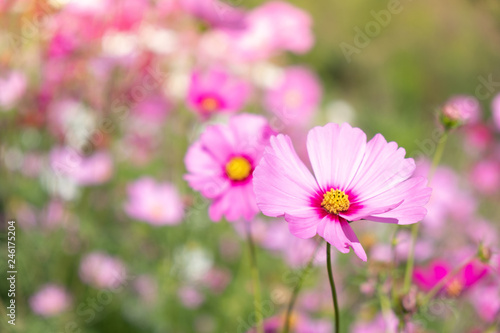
x=207, y=166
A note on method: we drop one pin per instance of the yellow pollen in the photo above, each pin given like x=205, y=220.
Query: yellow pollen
x=209, y=104
x=238, y=168
x=335, y=201
x=454, y=288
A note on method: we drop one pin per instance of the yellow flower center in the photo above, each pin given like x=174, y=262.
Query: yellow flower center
x=238, y=168
x=210, y=104
x=454, y=288
x=335, y=201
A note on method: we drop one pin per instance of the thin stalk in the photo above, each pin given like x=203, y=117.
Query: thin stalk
x=438, y=154
x=332, y=287
x=254, y=271
x=297, y=288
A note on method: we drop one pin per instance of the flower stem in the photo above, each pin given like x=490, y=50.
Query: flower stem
x=255, y=282
x=297, y=288
x=332, y=286
x=438, y=154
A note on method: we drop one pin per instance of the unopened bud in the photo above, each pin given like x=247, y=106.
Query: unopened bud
x=484, y=253
x=458, y=111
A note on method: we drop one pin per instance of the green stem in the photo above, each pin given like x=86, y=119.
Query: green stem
x=297, y=288
x=332, y=286
x=255, y=282
x=445, y=280
x=415, y=227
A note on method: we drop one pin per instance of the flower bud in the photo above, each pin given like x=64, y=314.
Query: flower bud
x=458, y=111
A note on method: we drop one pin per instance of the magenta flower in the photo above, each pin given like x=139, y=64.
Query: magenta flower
x=216, y=91
x=220, y=165
x=50, y=300
x=354, y=180
x=155, y=203
x=427, y=277
x=296, y=96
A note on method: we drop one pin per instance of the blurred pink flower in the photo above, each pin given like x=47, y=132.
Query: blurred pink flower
x=296, y=96
x=379, y=324
x=102, y=271
x=12, y=88
x=485, y=176
x=463, y=109
x=147, y=288
x=93, y=170
x=50, y=300
x=220, y=165
x=214, y=12
x=486, y=300
x=155, y=203
x=153, y=109
x=190, y=297
x=448, y=199
x=354, y=180
x=216, y=91
x=216, y=279
x=427, y=277
x=270, y=28
x=478, y=137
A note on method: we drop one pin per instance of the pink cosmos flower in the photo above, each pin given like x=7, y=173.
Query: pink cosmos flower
x=354, y=180
x=12, y=88
x=295, y=97
x=220, y=165
x=153, y=109
x=190, y=297
x=216, y=91
x=270, y=28
x=462, y=109
x=485, y=176
x=427, y=277
x=155, y=203
x=102, y=271
x=92, y=170
x=478, y=137
x=214, y=12
x=50, y=300
x=486, y=300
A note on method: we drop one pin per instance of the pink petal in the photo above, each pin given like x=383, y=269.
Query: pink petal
x=304, y=224
x=282, y=183
x=336, y=152
x=339, y=233
x=383, y=167
x=205, y=173
x=220, y=142
x=416, y=194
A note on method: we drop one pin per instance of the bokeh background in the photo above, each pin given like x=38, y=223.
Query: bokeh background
x=68, y=69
